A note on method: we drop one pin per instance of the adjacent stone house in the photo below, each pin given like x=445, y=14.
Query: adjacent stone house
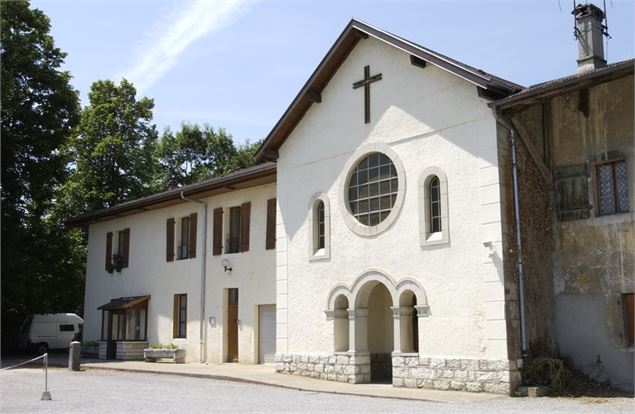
x=418, y=222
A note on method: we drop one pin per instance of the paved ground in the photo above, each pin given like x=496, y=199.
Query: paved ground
x=98, y=391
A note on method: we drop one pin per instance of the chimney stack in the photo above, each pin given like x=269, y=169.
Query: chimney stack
x=589, y=30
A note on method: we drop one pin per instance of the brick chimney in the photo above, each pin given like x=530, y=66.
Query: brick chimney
x=589, y=31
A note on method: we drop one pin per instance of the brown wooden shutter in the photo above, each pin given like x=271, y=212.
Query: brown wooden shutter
x=169, y=240
x=175, y=316
x=108, y=249
x=217, y=242
x=271, y=224
x=126, y=247
x=191, y=247
x=245, y=215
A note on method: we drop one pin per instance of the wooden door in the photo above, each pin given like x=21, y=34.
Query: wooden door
x=232, y=325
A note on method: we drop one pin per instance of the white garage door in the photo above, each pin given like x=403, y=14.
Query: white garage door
x=267, y=344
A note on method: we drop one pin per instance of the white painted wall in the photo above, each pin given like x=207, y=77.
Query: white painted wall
x=149, y=274
x=428, y=117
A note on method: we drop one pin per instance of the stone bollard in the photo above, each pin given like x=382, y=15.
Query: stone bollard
x=73, y=356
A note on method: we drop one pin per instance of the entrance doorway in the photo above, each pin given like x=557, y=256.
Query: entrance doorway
x=232, y=325
x=267, y=334
x=380, y=334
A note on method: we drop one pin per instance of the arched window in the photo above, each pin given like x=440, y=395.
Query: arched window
x=319, y=223
x=433, y=207
x=434, y=197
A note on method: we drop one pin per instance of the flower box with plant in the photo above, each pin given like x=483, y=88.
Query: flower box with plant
x=161, y=351
x=118, y=262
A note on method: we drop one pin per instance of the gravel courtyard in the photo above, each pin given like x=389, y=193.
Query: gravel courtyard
x=107, y=392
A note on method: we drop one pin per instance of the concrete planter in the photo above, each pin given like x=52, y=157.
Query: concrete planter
x=176, y=355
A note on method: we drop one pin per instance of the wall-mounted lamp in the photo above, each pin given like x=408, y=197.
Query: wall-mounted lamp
x=490, y=246
x=226, y=265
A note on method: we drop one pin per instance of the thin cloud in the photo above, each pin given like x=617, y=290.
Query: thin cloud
x=180, y=29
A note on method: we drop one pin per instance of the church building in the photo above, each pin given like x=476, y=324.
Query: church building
x=412, y=221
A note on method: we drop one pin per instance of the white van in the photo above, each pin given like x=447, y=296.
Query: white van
x=50, y=331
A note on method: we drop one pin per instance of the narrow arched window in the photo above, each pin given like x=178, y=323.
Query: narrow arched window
x=434, y=197
x=320, y=233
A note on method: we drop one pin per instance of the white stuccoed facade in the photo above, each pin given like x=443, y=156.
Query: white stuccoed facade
x=427, y=118
x=391, y=303
x=148, y=273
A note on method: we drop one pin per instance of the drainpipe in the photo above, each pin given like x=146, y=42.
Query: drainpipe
x=519, y=244
x=203, y=337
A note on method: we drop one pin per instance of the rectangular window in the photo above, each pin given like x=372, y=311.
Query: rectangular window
x=320, y=226
x=67, y=328
x=629, y=317
x=612, y=188
x=180, y=316
x=233, y=244
x=185, y=238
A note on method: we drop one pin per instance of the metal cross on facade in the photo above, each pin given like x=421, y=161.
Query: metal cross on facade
x=366, y=84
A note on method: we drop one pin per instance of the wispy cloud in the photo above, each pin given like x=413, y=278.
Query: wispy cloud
x=182, y=27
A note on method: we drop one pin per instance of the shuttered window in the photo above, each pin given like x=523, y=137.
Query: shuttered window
x=192, y=242
x=179, y=325
x=217, y=242
x=271, y=224
x=169, y=240
x=109, y=251
x=233, y=242
x=185, y=238
x=629, y=317
x=123, y=247
x=245, y=218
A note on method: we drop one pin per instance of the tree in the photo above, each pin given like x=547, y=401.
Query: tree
x=194, y=154
x=39, y=109
x=111, y=149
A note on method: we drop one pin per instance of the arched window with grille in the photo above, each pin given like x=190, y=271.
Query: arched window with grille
x=433, y=207
x=319, y=228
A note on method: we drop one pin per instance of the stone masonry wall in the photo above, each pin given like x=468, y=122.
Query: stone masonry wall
x=130, y=350
x=409, y=370
x=341, y=367
x=474, y=375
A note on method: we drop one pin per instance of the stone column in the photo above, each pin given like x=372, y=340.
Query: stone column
x=358, y=330
x=341, y=330
x=402, y=325
x=422, y=313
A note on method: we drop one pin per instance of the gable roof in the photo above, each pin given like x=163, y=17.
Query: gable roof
x=244, y=178
x=566, y=84
x=345, y=43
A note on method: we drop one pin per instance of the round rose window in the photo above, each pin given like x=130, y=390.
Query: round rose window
x=372, y=189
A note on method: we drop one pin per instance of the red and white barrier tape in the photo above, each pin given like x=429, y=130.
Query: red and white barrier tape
x=25, y=362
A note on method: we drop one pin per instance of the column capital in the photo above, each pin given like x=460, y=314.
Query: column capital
x=357, y=313
x=423, y=311
x=329, y=314
x=399, y=311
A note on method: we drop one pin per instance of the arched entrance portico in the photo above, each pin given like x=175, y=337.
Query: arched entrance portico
x=382, y=320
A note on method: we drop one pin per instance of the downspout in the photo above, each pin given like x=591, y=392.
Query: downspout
x=202, y=336
x=519, y=244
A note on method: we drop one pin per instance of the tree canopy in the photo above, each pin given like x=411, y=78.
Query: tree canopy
x=39, y=109
x=194, y=154
x=111, y=150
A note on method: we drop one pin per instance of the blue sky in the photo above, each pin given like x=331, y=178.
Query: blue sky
x=239, y=64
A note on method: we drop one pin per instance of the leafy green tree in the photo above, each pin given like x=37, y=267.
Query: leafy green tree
x=194, y=154
x=38, y=110
x=111, y=150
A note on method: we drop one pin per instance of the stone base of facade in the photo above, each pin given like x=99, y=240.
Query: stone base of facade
x=342, y=367
x=408, y=370
x=498, y=376
x=126, y=350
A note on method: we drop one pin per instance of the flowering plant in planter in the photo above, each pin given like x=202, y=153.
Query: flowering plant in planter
x=118, y=262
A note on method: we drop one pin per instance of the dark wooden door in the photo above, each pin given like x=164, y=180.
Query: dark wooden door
x=232, y=325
